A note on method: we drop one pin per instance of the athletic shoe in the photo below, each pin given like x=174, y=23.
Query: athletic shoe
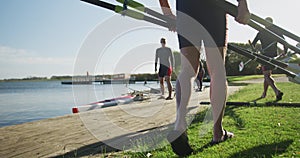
x=279, y=96
x=169, y=98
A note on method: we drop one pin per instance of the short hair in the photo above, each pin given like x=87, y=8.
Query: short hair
x=162, y=40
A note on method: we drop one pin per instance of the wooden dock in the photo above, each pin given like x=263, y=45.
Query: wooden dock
x=94, y=133
x=98, y=82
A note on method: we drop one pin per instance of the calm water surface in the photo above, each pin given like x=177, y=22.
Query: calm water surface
x=29, y=101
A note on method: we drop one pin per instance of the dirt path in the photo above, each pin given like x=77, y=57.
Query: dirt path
x=93, y=132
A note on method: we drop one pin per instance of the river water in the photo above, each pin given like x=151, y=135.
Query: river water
x=29, y=101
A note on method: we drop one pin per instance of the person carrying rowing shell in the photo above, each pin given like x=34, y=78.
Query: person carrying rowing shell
x=198, y=20
x=269, y=49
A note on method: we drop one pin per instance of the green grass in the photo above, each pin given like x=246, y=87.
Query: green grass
x=264, y=131
x=252, y=92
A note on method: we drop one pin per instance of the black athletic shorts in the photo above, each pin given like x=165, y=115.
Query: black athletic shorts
x=206, y=22
x=271, y=54
x=164, y=71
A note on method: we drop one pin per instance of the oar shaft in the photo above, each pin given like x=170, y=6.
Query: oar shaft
x=133, y=4
x=276, y=62
x=260, y=60
x=289, y=66
x=275, y=27
x=257, y=104
x=232, y=10
x=272, y=35
x=149, y=11
x=127, y=12
x=101, y=4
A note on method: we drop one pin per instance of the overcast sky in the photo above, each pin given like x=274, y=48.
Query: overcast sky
x=65, y=37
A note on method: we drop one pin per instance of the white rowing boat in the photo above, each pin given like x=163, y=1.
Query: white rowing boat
x=104, y=103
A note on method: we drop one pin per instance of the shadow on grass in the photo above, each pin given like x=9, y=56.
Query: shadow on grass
x=268, y=150
x=237, y=84
x=239, y=122
x=257, y=99
x=140, y=140
x=200, y=116
x=88, y=150
x=145, y=139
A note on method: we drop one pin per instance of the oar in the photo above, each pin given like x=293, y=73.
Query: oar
x=288, y=66
x=142, y=8
x=262, y=61
x=275, y=27
x=257, y=104
x=127, y=12
x=232, y=10
x=242, y=65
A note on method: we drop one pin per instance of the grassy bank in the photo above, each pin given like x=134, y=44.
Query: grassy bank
x=260, y=131
x=249, y=77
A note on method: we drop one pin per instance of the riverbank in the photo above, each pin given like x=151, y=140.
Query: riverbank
x=88, y=133
x=73, y=134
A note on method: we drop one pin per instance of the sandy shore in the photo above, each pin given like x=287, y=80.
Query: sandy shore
x=96, y=132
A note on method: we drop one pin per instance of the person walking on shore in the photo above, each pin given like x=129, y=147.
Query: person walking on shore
x=199, y=78
x=166, y=63
x=269, y=49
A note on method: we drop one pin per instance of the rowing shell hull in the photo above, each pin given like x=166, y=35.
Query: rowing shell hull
x=103, y=104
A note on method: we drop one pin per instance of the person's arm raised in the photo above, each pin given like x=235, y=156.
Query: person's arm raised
x=243, y=16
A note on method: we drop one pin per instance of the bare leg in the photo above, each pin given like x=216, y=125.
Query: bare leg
x=270, y=81
x=168, y=80
x=162, y=87
x=198, y=84
x=266, y=86
x=189, y=68
x=218, y=87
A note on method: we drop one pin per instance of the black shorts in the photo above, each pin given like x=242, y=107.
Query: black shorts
x=164, y=71
x=270, y=55
x=201, y=74
x=199, y=20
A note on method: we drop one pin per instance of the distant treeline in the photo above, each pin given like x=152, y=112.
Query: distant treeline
x=27, y=79
x=61, y=78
